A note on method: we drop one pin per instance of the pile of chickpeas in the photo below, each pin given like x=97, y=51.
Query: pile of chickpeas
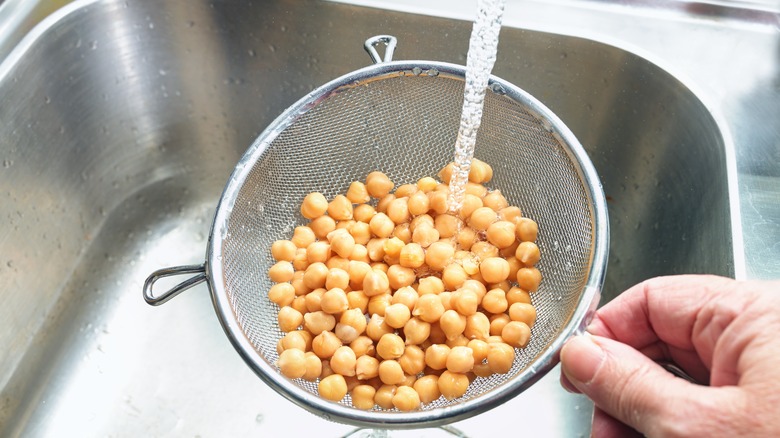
x=404, y=302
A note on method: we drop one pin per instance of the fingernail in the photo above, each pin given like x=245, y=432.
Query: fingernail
x=581, y=358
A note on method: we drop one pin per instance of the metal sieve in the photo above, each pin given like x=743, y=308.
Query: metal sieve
x=401, y=117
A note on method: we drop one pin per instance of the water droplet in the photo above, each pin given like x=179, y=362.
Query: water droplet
x=162, y=72
x=433, y=72
x=93, y=45
x=416, y=71
x=251, y=53
x=259, y=418
x=47, y=100
x=497, y=88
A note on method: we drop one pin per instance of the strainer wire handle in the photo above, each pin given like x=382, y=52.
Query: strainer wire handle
x=388, y=40
x=199, y=277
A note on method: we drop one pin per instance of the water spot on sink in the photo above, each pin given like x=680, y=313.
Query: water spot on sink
x=93, y=45
x=251, y=53
x=260, y=418
x=8, y=163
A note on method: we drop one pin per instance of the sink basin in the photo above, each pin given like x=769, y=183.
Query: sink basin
x=121, y=122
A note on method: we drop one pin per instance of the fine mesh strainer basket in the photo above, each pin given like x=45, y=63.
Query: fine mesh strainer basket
x=401, y=117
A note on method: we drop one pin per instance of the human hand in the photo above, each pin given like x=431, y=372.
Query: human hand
x=722, y=332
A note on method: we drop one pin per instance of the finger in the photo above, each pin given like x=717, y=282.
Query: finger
x=605, y=426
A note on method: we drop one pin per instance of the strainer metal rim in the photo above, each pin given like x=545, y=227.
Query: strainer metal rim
x=547, y=360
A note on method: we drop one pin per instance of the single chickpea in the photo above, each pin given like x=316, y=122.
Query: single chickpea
x=363, y=396
x=366, y=367
x=418, y=203
x=465, y=301
x=345, y=224
x=315, y=275
x=437, y=202
x=399, y=276
x=452, y=385
x=358, y=300
x=398, y=210
x=494, y=269
x=359, y=254
x=436, y=356
x=375, y=283
x=482, y=370
x=528, y=253
x=337, y=278
x=470, y=204
x=446, y=300
x=299, y=304
x=333, y=387
x=318, y=322
x=296, y=339
x=427, y=388
x=516, y=333
x=336, y=262
x=416, y=331
x=413, y=360
x=361, y=234
x=529, y=279
x=322, y=226
x=313, y=299
x=466, y=238
x=406, y=295
x=511, y=214
x=495, y=200
x=351, y=325
x=447, y=225
x=393, y=247
x=517, y=295
x=289, y=319
x=363, y=213
x=412, y=255
x=292, y=363
x=437, y=336
x=426, y=184
x=363, y=346
x=482, y=218
x=357, y=273
x=325, y=344
x=283, y=250
x=384, y=202
x=390, y=372
x=453, y=276
x=281, y=294
x=523, y=312
x=480, y=171
x=313, y=366
x=281, y=272
x=406, y=399
x=381, y=225
x=301, y=260
x=390, y=346
x=403, y=232
x=484, y=250
x=357, y=193
x=430, y=285
x=477, y=326
x=457, y=341
x=452, y=323
x=439, y=255
x=460, y=360
x=479, y=350
x=495, y=301
x=424, y=219
x=318, y=252
x=314, y=205
x=514, y=266
x=526, y=229
x=397, y=315
x=343, y=361
x=378, y=304
x=380, y=266
x=445, y=174
x=340, y=208
x=377, y=327
x=378, y=184
x=425, y=235
x=497, y=323
x=341, y=242
x=428, y=308
x=500, y=357
x=384, y=396
x=325, y=365
x=476, y=189
x=501, y=234
x=477, y=286
x=303, y=236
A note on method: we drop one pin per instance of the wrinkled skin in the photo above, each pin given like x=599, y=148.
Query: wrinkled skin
x=723, y=333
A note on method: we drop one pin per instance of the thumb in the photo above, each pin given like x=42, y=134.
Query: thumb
x=624, y=383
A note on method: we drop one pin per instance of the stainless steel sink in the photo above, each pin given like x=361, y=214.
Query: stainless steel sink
x=120, y=122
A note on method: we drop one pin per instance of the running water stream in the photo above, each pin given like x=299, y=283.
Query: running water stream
x=481, y=57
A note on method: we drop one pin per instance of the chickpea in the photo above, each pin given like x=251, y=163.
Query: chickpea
x=281, y=272
x=457, y=341
x=336, y=262
x=406, y=399
x=363, y=346
x=381, y=225
x=479, y=349
x=426, y=184
x=494, y=269
x=476, y=189
x=529, y=279
x=377, y=327
x=516, y=333
x=500, y=357
x=484, y=250
x=412, y=361
x=357, y=273
x=334, y=301
x=439, y=255
x=447, y=225
x=466, y=238
x=297, y=339
x=436, y=356
x=384, y=396
x=528, y=253
x=340, y=208
x=351, y=325
x=378, y=304
x=384, y=202
x=460, y=360
x=446, y=300
x=314, y=205
x=341, y=242
x=526, y=229
x=430, y=285
x=406, y=296
x=424, y=219
x=482, y=217
x=366, y=367
x=299, y=304
x=452, y=323
x=465, y=301
x=495, y=301
x=318, y=322
x=357, y=193
x=343, y=361
x=501, y=234
x=511, y=214
x=337, y=278
x=452, y=385
x=437, y=335
x=358, y=300
x=390, y=346
x=418, y=203
x=322, y=226
x=303, y=237
x=333, y=387
x=517, y=295
x=390, y=372
x=318, y=252
x=315, y=275
x=480, y=171
x=292, y=363
x=416, y=331
x=425, y=235
x=437, y=202
x=427, y=388
x=469, y=205
x=301, y=260
x=477, y=286
x=428, y=308
x=281, y=294
x=497, y=323
x=283, y=250
x=495, y=200
x=482, y=370
x=313, y=366
x=514, y=266
x=523, y=312
x=363, y=213
x=363, y=396
x=399, y=276
x=398, y=210
x=397, y=315
x=375, y=283
x=378, y=184
x=477, y=326
x=412, y=255
x=289, y=319
x=325, y=365
x=402, y=232
x=325, y=344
